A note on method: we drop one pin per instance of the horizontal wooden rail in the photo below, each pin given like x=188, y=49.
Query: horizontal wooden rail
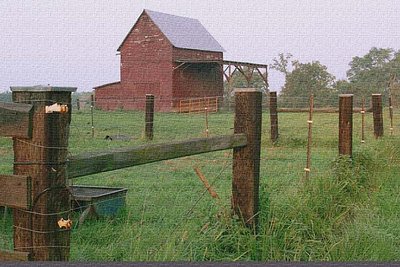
x=96, y=162
x=15, y=191
x=7, y=255
x=317, y=110
x=16, y=120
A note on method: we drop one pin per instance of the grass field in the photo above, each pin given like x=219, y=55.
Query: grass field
x=348, y=211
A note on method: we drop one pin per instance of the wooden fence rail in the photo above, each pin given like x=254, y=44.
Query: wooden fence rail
x=41, y=166
x=96, y=162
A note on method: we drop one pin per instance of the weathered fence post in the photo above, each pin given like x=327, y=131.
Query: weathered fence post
x=391, y=115
x=246, y=160
x=307, y=169
x=273, y=113
x=92, y=112
x=43, y=158
x=377, y=114
x=346, y=124
x=206, y=121
x=78, y=104
x=149, y=117
x=363, y=121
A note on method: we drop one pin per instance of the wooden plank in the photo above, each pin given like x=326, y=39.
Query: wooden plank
x=91, y=163
x=7, y=255
x=16, y=120
x=15, y=191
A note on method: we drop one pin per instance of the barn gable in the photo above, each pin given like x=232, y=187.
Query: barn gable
x=182, y=32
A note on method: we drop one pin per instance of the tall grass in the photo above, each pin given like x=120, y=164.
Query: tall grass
x=348, y=209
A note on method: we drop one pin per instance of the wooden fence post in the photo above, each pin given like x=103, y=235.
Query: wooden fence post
x=363, y=121
x=246, y=160
x=78, y=104
x=391, y=115
x=377, y=114
x=43, y=158
x=149, y=117
x=346, y=124
x=307, y=169
x=273, y=113
x=206, y=121
x=92, y=112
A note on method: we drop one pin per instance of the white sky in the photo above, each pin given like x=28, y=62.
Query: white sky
x=74, y=42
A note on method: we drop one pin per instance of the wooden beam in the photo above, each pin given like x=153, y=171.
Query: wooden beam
x=15, y=191
x=91, y=163
x=247, y=64
x=264, y=76
x=7, y=255
x=16, y=120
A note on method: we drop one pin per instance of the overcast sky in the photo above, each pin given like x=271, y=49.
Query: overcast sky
x=74, y=42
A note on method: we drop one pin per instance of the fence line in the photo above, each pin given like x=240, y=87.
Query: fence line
x=285, y=159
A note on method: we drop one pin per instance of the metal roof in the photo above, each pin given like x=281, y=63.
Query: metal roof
x=184, y=32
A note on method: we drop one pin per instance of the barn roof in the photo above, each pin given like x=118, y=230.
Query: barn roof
x=183, y=32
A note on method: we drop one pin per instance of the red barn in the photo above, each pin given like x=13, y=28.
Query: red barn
x=174, y=58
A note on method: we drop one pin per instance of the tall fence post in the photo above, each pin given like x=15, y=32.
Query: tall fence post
x=346, y=124
x=391, y=115
x=206, y=121
x=92, y=112
x=273, y=113
x=78, y=104
x=149, y=117
x=363, y=121
x=377, y=114
x=246, y=160
x=307, y=169
x=43, y=158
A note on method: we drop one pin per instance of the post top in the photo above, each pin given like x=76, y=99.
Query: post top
x=42, y=88
x=246, y=90
x=346, y=95
x=376, y=94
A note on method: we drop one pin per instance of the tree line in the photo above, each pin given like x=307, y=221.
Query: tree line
x=368, y=74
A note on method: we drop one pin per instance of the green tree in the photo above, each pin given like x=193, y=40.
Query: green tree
x=5, y=96
x=371, y=73
x=281, y=63
x=306, y=79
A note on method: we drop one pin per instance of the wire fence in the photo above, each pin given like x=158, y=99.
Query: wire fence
x=171, y=204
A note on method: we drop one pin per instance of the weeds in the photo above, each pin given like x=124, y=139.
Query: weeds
x=348, y=210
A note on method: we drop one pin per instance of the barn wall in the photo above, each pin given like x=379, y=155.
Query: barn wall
x=146, y=66
x=190, y=54
x=197, y=80
x=108, y=97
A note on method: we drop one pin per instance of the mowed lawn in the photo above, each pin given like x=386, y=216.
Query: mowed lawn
x=347, y=211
